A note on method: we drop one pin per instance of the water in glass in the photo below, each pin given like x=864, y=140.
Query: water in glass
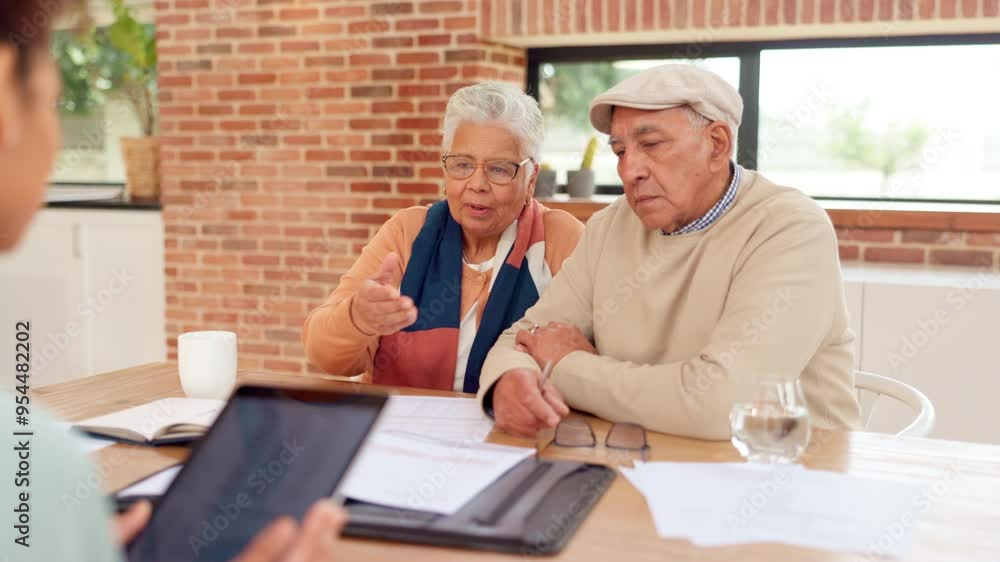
x=770, y=423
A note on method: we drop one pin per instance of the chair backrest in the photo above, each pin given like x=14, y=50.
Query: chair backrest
x=902, y=392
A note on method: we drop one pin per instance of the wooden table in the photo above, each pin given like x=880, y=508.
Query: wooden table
x=962, y=481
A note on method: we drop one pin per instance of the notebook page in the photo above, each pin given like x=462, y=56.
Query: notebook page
x=148, y=419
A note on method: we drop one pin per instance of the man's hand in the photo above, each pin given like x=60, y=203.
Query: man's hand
x=378, y=308
x=128, y=524
x=522, y=409
x=314, y=541
x=552, y=342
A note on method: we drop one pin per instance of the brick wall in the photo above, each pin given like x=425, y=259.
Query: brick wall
x=918, y=246
x=599, y=22
x=292, y=129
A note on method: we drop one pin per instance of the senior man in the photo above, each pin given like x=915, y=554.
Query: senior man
x=705, y=274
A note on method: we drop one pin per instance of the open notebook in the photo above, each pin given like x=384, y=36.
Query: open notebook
x=170, y=420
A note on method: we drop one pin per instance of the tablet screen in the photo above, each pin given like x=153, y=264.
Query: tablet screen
x=270, y=453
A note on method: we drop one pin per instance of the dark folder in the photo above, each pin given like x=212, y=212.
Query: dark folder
x=533, y=509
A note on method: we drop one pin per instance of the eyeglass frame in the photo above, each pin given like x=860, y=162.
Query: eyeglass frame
x=643, y=450
x=517, y=167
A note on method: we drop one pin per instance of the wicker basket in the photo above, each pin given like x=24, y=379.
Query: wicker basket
x=142, y=166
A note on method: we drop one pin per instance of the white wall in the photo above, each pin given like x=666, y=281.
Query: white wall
x=91, y=284
x=936, y=330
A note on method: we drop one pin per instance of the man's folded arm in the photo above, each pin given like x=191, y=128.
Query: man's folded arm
x=693, y=397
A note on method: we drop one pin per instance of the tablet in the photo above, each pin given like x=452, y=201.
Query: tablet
x=271, y=452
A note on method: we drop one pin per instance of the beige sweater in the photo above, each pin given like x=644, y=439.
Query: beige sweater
x=677, y=320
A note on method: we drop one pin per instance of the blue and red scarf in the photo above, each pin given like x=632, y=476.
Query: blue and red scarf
x=424, y=354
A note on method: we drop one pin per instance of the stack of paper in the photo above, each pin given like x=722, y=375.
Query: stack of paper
x=454, y=419
x=717, y=504
x=425, y=473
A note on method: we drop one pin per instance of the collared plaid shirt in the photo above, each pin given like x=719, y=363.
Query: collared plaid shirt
x=717, y=210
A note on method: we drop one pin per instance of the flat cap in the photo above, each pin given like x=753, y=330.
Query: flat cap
x=671, y=85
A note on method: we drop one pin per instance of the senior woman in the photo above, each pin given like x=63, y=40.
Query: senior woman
x=466, y=267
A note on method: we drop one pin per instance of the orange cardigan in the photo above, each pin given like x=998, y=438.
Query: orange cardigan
x=333, y=341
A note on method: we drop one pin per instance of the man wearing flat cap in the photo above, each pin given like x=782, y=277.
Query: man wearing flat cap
x=701, y=277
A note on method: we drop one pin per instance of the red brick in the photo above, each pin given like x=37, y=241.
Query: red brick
x=391, y=42
x=368, y=27
x=325, y=29
x=392, y=107
x=848, y=252
x=413, y=90
x=931, y=237
x=370, y=155
x=305, y=77
x=344, y=11
x=421, y=155
x=417, y=24
x=983, y=239
x=370, y=59
x=370, y=187
x=248, y=79
x=370, y=218
x=961, y=257
x=325, y=93
x=324, y=155
x=395, y=139
x=233, y=33
x=236, y=95
x=371, y=91
x=276, y=31
x=464, y=55
x=418, y=58
x=299, y=46
x=417, y=123
x=894, y=254
x=418, y=188
x=866, y=235
x=366, y=123
x=347, y=171
x=353, y=75
x=438, y=73
x=294, y=14
x=328, y=60
x=452, y=24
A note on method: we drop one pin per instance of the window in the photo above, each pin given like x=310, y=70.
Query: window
x=95, y=109
x=885, y=122
x=887, y=119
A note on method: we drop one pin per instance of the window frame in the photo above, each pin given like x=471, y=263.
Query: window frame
x=748, y=52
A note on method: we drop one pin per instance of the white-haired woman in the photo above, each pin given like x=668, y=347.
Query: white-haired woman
x=437, y=285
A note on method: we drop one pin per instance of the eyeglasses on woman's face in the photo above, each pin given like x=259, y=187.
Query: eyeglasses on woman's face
x=499, y=172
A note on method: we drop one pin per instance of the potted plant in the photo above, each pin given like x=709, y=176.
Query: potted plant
x=545, y=185
x=141, y=155
x=580, y=183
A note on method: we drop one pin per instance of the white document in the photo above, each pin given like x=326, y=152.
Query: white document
x=718, y=504
x=453, y=419
x=154, y=485
x=426, y=474
x=162, y=418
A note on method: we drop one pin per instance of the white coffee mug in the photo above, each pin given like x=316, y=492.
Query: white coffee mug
x=207, y=364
